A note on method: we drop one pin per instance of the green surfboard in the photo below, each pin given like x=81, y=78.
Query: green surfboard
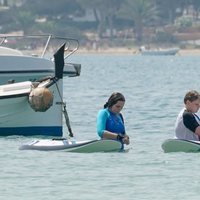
x=178, y=145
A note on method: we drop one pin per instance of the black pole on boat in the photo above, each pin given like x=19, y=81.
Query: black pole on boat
x=67, y=120
x=59, y=62
x=59, y=65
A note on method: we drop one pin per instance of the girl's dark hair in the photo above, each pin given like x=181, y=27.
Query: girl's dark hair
x=114, y=98
x=191, y=96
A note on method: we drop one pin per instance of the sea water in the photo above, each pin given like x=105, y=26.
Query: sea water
x=154, y=88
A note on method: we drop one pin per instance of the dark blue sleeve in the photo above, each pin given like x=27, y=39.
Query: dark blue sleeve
x=123, y=122
x=190, y=121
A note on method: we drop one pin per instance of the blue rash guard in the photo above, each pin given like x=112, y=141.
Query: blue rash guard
x=106, y=120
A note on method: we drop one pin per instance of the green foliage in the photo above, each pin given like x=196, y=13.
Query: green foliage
x=105, y=12
x=51, y=8
x=136, y=15
x=184, y=22
x=47, y=27
x=143, y=13
x=25, y=18
x=164, y=37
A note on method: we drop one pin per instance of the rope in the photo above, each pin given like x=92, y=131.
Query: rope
x=65, y=113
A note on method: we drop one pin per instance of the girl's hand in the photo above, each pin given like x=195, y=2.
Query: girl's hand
x=126, y=140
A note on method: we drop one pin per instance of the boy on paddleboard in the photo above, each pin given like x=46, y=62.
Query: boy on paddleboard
x=187, y=124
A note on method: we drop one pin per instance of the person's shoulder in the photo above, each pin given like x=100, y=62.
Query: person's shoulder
x=187, y=114
x=103, y=112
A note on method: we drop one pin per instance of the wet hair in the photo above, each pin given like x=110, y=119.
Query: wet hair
x=114, y=98
x=191, y=96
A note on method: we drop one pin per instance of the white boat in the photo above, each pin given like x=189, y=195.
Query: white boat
x=179, y=145
x=159, y=52
x=23, y=70
x=69, y=145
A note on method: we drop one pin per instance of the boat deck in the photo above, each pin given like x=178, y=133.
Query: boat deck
x=33, y=50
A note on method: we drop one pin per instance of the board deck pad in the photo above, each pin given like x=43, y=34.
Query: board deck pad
x=178, y=145
x=88, y=146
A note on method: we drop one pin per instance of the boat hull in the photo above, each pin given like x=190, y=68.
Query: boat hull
x=27, y=68
x=89, y=146
x=18, y=118
x=178, y=145
x=163, y=52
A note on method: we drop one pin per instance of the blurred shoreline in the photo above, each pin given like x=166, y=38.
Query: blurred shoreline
x=127, y=51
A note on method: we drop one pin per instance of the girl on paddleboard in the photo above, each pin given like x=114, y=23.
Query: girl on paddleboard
x=110, y=123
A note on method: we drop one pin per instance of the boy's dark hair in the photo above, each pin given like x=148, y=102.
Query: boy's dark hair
x=191, y=96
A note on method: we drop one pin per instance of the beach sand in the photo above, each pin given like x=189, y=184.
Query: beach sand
x=129, y=51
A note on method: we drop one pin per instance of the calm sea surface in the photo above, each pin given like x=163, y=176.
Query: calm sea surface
x=154, y=88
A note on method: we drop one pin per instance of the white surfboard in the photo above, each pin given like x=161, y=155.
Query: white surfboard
x=88, y=146
x=178, y=145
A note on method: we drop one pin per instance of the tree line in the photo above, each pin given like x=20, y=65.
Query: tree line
x=57, y=17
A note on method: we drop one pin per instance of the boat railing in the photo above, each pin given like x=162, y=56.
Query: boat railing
x=39, y=45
